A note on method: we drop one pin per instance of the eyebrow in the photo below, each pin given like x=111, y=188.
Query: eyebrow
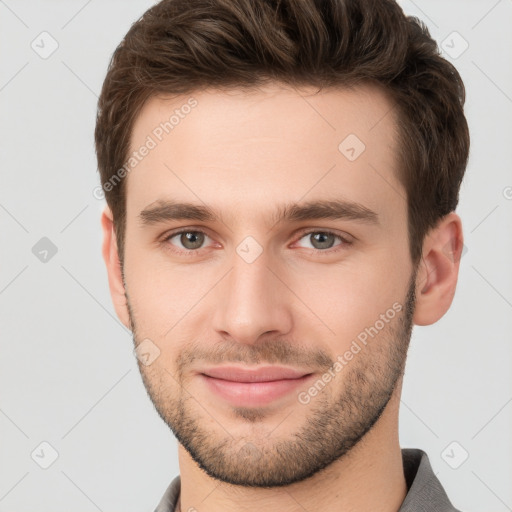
x=168, y=210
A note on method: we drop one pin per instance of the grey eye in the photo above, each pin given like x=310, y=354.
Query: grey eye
x=190, y=240
x=321, y=240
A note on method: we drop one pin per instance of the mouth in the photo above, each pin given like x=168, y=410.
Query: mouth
x=253, y=387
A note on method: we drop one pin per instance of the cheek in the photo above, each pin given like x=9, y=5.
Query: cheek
x=335, y=301
x=151, y=295
x=164, y=298
x=344, y=301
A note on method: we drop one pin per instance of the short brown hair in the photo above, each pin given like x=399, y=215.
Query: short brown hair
x=181, y=46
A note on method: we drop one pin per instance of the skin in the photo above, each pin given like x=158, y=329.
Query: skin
x=299, y=303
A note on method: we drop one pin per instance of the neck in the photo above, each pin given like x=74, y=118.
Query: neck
x=369, y=477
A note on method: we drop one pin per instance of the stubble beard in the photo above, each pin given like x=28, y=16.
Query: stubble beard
x=334, y=424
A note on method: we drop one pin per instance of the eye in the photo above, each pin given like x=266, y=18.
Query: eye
x=190, y=240
x=324, y=240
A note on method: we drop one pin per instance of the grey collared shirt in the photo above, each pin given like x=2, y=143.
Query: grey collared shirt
x=425, y=492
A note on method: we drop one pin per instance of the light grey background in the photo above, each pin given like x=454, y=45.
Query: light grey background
x=68, y=373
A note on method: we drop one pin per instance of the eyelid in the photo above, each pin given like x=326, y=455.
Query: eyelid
x=344, y=237
x=167, y=236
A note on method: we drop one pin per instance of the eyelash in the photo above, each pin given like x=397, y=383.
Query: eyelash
x=302, y=234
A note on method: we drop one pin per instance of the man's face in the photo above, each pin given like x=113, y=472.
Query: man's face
x=247, y=290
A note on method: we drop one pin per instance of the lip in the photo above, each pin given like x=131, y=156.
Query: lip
x=245, y=387
x=260, y=374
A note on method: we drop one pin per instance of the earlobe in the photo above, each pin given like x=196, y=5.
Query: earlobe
x=438, y=270
x=111, y=257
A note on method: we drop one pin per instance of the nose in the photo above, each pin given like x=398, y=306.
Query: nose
x=252, y=301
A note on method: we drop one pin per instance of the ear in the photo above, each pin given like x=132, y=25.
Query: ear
x=438, y=270
x=111, y=258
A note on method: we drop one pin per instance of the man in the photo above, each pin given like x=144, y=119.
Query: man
x=281, y=180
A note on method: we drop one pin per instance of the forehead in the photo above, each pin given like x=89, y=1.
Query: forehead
x=242, y=148
x=270, y=110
